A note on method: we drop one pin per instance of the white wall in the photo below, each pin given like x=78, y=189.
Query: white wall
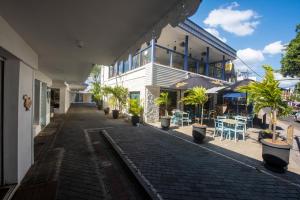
x=13, y=43
x=134, y=80
x=25, y=119
x=18, y=140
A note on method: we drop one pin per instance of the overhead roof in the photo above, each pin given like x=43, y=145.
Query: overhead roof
x=70, y=36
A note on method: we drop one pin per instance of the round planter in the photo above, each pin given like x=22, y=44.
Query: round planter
x=106, y=111
x=165, y=122
x=115, y=114
x=264, y=135
x=135, y=120
x=276, y=155
x=199, y=133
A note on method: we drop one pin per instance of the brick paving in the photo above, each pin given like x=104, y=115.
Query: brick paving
x=181, y=170
x=72, y=163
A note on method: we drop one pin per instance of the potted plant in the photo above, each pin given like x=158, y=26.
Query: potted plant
x=106, y=110
x=197, y=96
x=163, y=100
x=267, y=94
x=135, y=110
x=118, y=98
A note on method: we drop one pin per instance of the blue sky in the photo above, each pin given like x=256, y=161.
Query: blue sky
x=257, y=29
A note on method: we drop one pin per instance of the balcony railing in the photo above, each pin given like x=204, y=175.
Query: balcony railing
x=167, y=57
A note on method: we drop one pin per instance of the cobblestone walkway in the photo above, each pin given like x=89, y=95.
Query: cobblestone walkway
x=178, y=169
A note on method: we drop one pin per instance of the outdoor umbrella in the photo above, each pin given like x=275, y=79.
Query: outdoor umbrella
x=194, y=81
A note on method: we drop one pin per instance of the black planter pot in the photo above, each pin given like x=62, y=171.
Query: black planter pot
x=115, y=114
x=165, y=122
x=106, y=111
x=276, y=156
x=135, y=120
x=264, y=135
x=199, y=133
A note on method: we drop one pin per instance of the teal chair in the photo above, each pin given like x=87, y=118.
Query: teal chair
x=220, y=129
x=238, y=129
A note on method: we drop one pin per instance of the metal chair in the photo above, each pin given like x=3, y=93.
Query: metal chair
x=239, y=128
x=250, y=120
x=185, y=118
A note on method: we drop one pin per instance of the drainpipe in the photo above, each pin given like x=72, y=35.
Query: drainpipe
x=207, y=61
x=186, y=53
x=223, y=68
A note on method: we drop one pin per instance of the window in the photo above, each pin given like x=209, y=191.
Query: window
x=134, y=95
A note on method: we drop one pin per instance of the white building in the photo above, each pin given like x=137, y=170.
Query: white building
x=46, y=46
x=184, y=50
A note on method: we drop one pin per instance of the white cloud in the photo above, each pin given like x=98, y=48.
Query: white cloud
x=250, y=56
x=238, y=22
x=216, y=33
x=273, y=48
x=285, y=83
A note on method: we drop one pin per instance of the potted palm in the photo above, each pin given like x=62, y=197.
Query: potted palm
x=163, y=100
x=119, y=98
x=267, y=94
x=135, y=110
x=197, y=96
x=96, y=88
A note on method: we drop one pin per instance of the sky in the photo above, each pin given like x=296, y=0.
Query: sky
x=257, y=29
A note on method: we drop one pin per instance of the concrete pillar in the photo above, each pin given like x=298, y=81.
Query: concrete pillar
x=207, y=62
x=223, y=68
x=186, y=53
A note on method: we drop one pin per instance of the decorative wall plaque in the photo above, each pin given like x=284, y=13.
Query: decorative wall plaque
x=27, y=102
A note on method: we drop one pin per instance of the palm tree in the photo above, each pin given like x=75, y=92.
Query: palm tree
x=96, y=89
x=267, y=94
x=164, y=100
x=196, y=96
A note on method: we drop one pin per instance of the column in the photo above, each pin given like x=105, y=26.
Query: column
x=207, y=62
x=171, y=58
x=223, y=68
x=186, y=53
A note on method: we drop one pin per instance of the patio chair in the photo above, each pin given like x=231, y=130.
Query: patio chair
x=222, y=117
x=174, y=117
x=238, y=129
x=184, y=118
x=221, y=129
x=250, y=120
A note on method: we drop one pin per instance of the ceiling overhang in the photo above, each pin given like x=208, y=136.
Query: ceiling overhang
x=70, y=36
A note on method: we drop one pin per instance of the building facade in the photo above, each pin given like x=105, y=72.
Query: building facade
x=179, y=52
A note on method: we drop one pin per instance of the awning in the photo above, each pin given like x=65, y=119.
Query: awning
x=235, y=95
x=214, y=90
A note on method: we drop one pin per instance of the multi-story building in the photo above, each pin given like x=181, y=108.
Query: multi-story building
x=178, y=52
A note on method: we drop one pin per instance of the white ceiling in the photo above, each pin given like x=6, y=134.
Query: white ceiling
x=107, y=29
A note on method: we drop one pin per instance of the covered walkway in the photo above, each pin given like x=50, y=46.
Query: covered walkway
x=77, y=163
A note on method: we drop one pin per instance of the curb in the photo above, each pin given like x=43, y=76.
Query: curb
x=149, y=188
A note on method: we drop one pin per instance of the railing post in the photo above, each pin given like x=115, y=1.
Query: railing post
x=223, y=68
x=186, y=53
x=207, y=62
x=197, y=67
x=153, y=50
x=171, y=58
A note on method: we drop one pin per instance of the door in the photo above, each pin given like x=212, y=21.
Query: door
x=1, y=120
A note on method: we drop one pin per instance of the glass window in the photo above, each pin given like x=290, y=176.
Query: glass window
x=146, y=56
x=134, y=95
x=126, y=66
x=162, y=56
x=120, y=67
x=178, y=60
x=136, y=61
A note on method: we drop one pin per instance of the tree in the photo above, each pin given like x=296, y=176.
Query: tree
x=291, y=60
x=164, y=100
x=196, y=96
x=119, y=95
x=96, y=89
x=267, y=94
